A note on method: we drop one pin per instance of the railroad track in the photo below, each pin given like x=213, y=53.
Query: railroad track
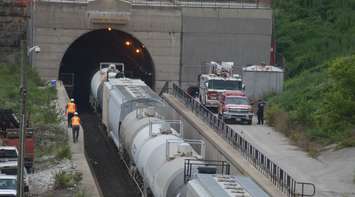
x=108, y=169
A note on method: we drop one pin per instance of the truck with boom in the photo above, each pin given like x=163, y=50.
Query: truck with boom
x=9, y=135
x=220, y=78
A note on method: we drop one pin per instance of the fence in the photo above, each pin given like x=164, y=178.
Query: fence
x=277, y=175
x=205, y=3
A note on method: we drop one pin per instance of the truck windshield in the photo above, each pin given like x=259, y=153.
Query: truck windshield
x=7, y=183
x=9, y=171
x=224, y=85
x=8, y=153
x=237, y=101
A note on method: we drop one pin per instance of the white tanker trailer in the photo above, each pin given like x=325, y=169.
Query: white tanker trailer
x=160, y=161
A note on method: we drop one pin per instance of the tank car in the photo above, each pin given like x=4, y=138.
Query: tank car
x=160, y=161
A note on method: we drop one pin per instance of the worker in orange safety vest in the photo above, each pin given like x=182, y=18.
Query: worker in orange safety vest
x=75, y=121
x=70, y=109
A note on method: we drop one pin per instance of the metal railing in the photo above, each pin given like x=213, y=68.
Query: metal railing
x=204, y=3
x=178, y=3
x=277, y=175
x=221, y=167
x=66, y=1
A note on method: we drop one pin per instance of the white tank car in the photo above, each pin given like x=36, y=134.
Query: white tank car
x=107, y=70
x=151, y=147
x=157, y=150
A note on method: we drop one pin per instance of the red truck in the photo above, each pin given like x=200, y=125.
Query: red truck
x=234, y=105
x=9, y=134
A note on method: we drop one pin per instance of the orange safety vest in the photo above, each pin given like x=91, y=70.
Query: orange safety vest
x=71, y=107
x=75, y=121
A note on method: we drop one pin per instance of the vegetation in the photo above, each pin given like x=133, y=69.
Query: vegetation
x=80, y=194
x=317, y=40
x=64, y=180
x=52, y=140
x=63, y=153
x=40, y=96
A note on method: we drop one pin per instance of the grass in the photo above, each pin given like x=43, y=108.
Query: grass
x=40, y=97
x=316, y=39
x=64, y=180
x=80, y=194
x=63, y=152
x=51, y=141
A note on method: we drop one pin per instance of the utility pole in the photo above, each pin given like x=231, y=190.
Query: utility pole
x=23, y=92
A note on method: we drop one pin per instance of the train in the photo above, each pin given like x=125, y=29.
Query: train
x=161, y=162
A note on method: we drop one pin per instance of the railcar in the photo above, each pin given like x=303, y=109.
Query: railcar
x=159, y=159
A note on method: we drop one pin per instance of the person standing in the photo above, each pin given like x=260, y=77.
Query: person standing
x=75, y=121
x=70, y=109
x=260, y=111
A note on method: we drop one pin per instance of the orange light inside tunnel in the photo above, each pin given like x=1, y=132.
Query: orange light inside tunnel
x=128, y=43
x=138, y=50
x=109, y=29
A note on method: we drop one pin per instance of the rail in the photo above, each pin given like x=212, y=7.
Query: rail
x=241, y=4
x=277, y=175
x=204, y=3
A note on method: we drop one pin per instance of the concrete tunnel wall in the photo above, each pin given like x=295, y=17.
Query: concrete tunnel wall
x=178, y=39
x=55, y=30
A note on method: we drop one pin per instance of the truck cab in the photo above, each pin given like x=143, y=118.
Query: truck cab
x=8, y=153
x=234, y=105
x=218, y=80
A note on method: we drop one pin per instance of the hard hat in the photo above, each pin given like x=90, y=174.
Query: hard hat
x=72, y=100
x=76, y=113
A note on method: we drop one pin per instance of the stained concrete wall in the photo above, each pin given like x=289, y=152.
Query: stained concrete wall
x=58, y=25
x=242, y=36
x=12, y=31
x=178, y=39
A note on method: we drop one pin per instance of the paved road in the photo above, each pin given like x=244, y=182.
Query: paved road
x=332, y=172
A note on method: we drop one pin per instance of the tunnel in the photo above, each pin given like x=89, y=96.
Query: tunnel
x=81, y=60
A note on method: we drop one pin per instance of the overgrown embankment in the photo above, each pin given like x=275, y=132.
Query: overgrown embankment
x=317, y=40
x=54, y=174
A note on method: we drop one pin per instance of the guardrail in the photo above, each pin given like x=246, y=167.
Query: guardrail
x=204, y=3
x=277, y=175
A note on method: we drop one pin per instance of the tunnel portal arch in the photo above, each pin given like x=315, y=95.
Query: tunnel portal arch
x=81, y=60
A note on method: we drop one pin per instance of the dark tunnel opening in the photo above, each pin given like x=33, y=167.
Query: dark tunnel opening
x=82, y=59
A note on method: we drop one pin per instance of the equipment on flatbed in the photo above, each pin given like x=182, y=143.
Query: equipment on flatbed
x=9, y=135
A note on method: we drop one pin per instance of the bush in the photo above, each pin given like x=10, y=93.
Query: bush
x=40, y=97
x=316, y=38
x=50, y=140
x=80, y=194
x=65, y=180
x=63, y=152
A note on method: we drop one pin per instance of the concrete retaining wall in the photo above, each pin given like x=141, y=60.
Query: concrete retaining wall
x=242, y=36
x=12, y=31
x=178, y=39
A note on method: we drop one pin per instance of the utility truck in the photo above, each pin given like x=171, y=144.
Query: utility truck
x=235, y=106
x=220, y=78
x=9, y=135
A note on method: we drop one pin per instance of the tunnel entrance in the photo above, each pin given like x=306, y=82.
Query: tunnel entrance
x=82, y=59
